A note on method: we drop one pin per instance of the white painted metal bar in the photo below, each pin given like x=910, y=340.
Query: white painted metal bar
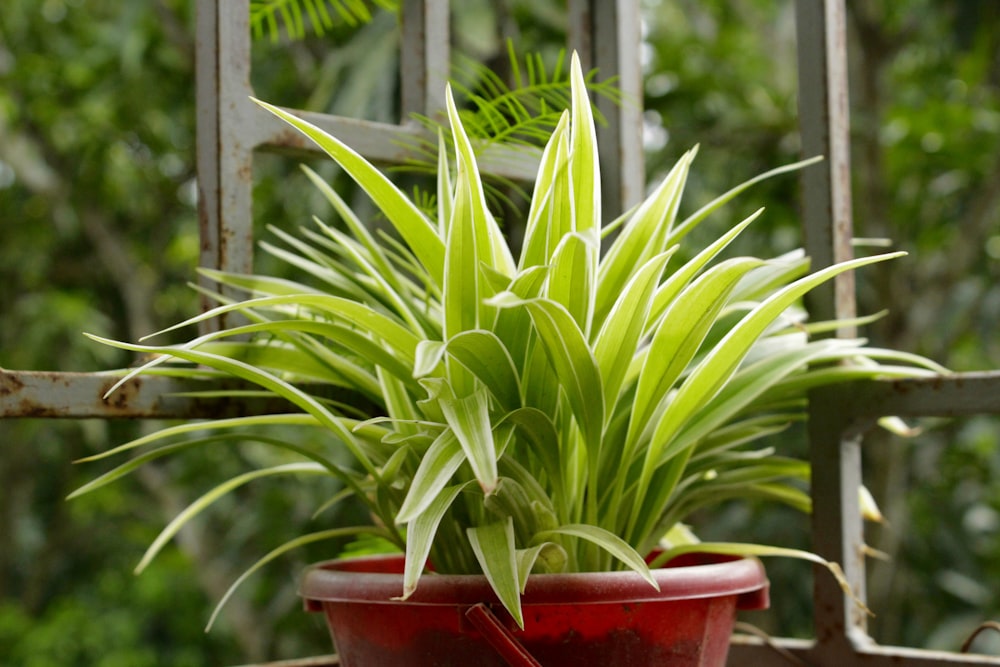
x=824, y=121
x=825, y=124
x=51, y=395
x=753, y=652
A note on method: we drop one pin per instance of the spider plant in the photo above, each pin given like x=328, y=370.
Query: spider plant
x=562, y=410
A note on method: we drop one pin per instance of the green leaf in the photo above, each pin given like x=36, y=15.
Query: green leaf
x=383, y=328
x=486, y=357
x=669, y=290
x=254, y=421
x=420, y=533
x=411, y=224
x=257, y=285
x=606, y=540
x=294, y=362
x=210, y=497
x=359, y=231
x=493, y=545
x=436, y=468
x=513, y=325
x=721, y=362
x=584, y=165
x=758, y=550
x=301, y=541
x=695, y=218
x=535, y=427
x=509, y=499
x=465, y=232
x=445, y=189
x=775, y=274
x=679, y=335
x=371, y=275
x=567, y=351
x=752, y=381
x=642, y=237
x=744, y=431
x=618, y=339
x=469, y=418
x=279, y=387
x=571, y=278
x=538, y=242
x=492, y=248
x=134, y=463
x=429, y=355
x=551, y=557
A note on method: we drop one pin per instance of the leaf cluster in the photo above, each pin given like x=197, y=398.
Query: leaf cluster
x=563, y=410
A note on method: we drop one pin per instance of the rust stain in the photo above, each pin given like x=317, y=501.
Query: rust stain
x=245, y=172
x=123, y=398
x=289, y=138
x=10, y=384
x=28, y=409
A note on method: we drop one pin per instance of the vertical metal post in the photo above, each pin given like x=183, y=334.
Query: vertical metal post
x=837, y=526
x=224, y=154
x=836, y=458
x=607, y=36
x=424, y=56
x=824, y=117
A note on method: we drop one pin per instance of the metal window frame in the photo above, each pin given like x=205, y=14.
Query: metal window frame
x=839, y=416
x=231, y=129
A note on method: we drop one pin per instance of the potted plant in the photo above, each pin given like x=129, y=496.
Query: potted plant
x=544, y=423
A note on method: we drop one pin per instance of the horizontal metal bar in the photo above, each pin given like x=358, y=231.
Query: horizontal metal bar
x=754, y=652
x=388, y=143
x=945, y=396
x=955, y=395
x=81, y=396
x=781, y=652
x=749, y=651
x=78, y=395
x=319, y=661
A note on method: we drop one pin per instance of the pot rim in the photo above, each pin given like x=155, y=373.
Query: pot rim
x=352, y=580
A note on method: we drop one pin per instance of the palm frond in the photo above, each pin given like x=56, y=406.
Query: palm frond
x=517, y=114
x=268, y=16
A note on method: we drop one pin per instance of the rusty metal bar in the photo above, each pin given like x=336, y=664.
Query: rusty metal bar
x=956, y=395
x=383, y=142
x=825, y=124
x=224, y=149
x=607, y=36
x=824, y=120
x=779, y=652
x=837, y=526
x=319, y=661
x=424, y=57
x=753, y=652
x=81, y=396
x=838, y=419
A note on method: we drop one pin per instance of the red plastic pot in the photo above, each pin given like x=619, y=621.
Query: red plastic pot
x=606, y=618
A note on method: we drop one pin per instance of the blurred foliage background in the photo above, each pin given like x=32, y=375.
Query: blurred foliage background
x=99, y=233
